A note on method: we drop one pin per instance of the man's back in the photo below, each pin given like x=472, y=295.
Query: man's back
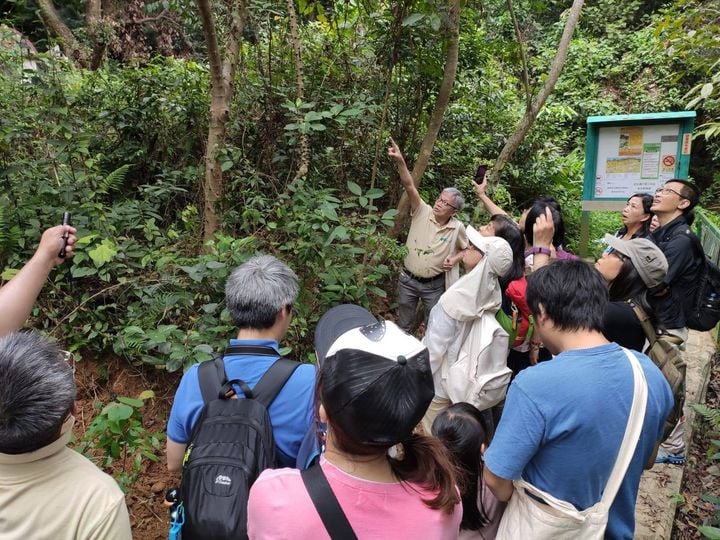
x=56, y=493
x=563, y=423
x=290, y=413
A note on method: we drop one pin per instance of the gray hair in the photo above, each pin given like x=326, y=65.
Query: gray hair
x=258, y=289
x=36, y=394
x=459, y=199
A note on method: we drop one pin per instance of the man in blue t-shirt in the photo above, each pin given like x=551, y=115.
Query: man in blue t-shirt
x=564, y=420
x=259, y=296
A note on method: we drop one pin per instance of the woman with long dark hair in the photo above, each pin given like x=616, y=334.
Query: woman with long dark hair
x=636, y=217
x=374, y=386
x=462, y=429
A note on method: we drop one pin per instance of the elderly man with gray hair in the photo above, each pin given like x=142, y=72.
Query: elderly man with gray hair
x=259, y=295
x=436, y=242
x=48, y=490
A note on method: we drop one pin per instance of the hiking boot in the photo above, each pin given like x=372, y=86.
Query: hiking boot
x=668, y=457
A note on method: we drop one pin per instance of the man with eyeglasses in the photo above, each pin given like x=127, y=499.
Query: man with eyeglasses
x=48, y=490
x=673, y=205
x=435, y=243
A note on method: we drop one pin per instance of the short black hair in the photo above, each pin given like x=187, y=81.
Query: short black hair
x=689, y=191
x=537, y=210
x=572, y=293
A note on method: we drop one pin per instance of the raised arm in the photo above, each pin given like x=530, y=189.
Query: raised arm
x=405, y=176
x=19, y=295
x=490, y=206
x=543, y=232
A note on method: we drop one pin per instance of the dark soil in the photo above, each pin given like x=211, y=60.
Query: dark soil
x=98, y=385
x=702, y=474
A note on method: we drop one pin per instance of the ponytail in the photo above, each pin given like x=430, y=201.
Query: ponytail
x=428, y=463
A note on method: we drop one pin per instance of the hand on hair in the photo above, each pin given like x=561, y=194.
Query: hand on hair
x=543, y=229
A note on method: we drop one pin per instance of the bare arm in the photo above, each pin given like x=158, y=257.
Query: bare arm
x=500, y=487
x=19, y=295
x=175, y=453
x=490, y=206
x=405, y=176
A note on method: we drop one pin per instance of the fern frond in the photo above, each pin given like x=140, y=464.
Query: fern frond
x=710, y=414
x=114, y=179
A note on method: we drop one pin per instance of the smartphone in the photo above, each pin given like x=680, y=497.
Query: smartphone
x=480, y=174
x=67, y=220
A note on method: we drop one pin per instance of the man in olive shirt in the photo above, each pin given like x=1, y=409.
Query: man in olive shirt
x=435, y=243
x=48, y=490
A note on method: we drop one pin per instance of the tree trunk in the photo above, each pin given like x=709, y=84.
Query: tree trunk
x=531, y=114
x=304, y=164
x=436, y=118
x=56, y=27
x=222, y=72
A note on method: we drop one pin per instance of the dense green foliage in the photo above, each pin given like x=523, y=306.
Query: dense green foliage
x=122, y=149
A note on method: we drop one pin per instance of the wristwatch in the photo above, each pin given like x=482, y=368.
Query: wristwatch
x=541, y=250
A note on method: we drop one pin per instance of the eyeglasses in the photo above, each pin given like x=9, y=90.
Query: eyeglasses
x=443, y=202
x=667, y=191
x=619, y=255
x=69, y=360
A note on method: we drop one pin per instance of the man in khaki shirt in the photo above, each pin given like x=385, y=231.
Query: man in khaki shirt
x=435, y=243
x=48, y=490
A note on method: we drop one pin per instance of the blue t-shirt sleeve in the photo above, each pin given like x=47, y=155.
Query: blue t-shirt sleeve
x=518, y=435
x=186, y=407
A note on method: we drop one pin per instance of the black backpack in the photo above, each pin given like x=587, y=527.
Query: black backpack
x=704, y=311
x=231, y=444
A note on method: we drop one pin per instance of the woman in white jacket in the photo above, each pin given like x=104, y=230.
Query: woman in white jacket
x=468, y=348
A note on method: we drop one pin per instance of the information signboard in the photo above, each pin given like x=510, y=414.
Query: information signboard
x=632, y=153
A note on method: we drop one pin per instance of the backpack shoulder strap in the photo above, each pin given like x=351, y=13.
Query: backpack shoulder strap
x=326, y=504
x=255, y=350
x=211, y=375
x=269, y=386
x=647, y=326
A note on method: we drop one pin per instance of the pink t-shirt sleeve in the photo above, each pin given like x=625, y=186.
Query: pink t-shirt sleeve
x=280, y=507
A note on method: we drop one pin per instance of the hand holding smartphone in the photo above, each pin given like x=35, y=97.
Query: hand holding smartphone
x=480, y=174
x=65, y=221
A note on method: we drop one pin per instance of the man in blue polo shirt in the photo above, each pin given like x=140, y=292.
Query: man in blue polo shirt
x=259, y=295
x=564, y=420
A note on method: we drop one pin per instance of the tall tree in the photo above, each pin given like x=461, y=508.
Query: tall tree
x=57, y=28
x=436, y=118
x=222, y=75
x=532, y=112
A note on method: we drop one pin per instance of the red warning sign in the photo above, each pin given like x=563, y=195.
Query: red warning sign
x=668, y=161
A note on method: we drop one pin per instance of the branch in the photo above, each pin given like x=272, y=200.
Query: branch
x=523, y=57
x=553, y=75
x=438, y=113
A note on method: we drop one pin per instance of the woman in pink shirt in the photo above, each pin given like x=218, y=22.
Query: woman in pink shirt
x=374, y=386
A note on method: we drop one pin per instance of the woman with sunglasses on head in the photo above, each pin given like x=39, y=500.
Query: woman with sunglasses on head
x=633, y=270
